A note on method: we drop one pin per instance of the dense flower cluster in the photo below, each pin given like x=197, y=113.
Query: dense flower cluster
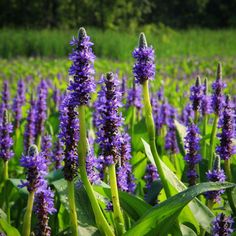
x=196, y=94
x=69, y=135
x=222, y=225
x=5, y=95
x=82, y=69
x=6, y=141
x=46, y=146
x=226, y=147
x=218, y=97
x=187, y=114
x=125, y=178
x=192, y=152
x=41, y=107
x=151, y=175
x=134, y=97
x=18, y=102
x=58, y=154
x=109, y=121
x=206, y=102
x=29, y=135
x=215, y=175
x=36, y=169
x=43, y=206
x=144, y=68
x=170, y=139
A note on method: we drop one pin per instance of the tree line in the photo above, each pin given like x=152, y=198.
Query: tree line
x=117, y=14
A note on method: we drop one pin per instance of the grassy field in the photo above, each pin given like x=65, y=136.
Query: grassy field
x=119, y=45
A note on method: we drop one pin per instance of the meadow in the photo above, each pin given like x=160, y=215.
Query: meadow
x=151, y=157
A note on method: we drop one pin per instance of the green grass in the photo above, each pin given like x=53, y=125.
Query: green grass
x=119, y=45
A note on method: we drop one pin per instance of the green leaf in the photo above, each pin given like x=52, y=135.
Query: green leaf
x=7, y=228
x=163, y=212
x=201, y=213
x=87, y=225
x=186, y=231
x=133, y=205
x=180, y=134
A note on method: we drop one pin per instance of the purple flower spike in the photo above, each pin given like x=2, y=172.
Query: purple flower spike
x=226, y=148
x=170, y=139
x=144, y=68
x=82, y=69
x=18, y=102
x=216, y=175
x=187, y=114
x=134, y=97
x=6, y=141
x=46, y=146
x=222, y=225
x=109, y=121
x=151, y=175
x=36, y=169
x=69, y=135
x=41, y=107
x=196, y=94
x=58, y=154
x=125, y=178
x=218, y=97
x=192, y=152
x=205, y=103
x=43, y=207
x=5, y=95
x=29, y=135
x=92, y=173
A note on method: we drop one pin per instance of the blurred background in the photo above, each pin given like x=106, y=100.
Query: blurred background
x=174, y=27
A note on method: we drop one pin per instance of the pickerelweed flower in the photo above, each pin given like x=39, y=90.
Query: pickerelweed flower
x=69, y=135
x=29, y=135
x=134, y=97
x=91, y=163
x=217, y=96
x=192, y=152
x=123, y=87
x=46, y=147
x=144, y=68
x=82, y=69
x=196, y=93
x=222, y=225
x=6, y=141
x=156, y=106
x=5, y=95
x=215, y=175
x=160, y=94
x=151, y=175
x=41, y=107
x=36, y=169
x=187, y=114
x=18, y=102
x=170, y=139
x=205, y=103
x=57, y=97
x=109, y=121
x=58, y=154
x=43, y=207
x=125, y=178
x=226, y=148
x=164, y=113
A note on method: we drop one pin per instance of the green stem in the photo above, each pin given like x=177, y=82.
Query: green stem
x=196, y=114
x=99, y=217
x=118, y=217
x=177, y=166
x=212, y=142
x=27, y=217
x=229, y=191
x=5, y=178
x=205, y=119
x=73, y=214
x=133, y=120
x=151, y=133
x=38, y=142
